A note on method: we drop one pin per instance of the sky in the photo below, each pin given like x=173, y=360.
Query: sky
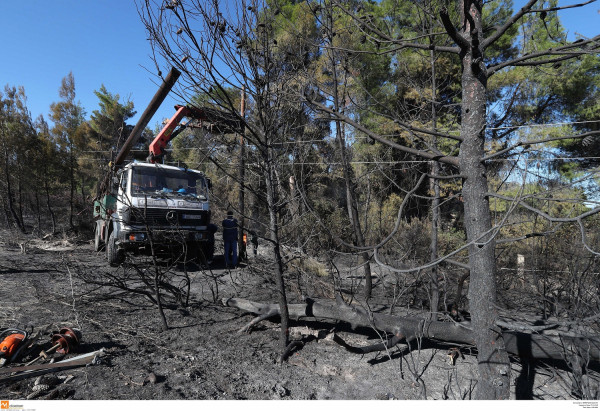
x=105, y=42
x=100, y=41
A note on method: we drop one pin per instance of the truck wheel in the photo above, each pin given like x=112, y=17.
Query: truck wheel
x=98, y=244
x=113, y=254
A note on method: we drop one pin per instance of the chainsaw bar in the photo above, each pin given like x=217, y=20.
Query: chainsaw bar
x=34, y=370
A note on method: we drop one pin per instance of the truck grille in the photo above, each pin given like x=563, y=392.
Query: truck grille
x=168, y=217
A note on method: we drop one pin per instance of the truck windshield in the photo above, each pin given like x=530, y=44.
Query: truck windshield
x=157, y=181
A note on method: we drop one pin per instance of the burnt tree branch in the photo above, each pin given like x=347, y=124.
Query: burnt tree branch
x=458, y=38
x=423, y=154
x=508, y=24
x=567, y=52
x=526, y=144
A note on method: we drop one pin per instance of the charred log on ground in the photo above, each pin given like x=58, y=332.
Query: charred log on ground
x=522, y=344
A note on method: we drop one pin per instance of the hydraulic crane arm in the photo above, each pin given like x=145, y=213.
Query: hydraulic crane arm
x=167, y=134
x=207, y=118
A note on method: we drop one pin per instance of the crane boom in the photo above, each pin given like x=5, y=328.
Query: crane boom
x=208, y=118
x=155, y=103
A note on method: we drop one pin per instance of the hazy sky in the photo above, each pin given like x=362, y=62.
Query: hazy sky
x=104, y=42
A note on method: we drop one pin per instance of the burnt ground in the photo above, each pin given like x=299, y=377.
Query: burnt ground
x=202, y=355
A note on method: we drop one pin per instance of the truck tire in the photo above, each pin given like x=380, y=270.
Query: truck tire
x=98, y=244
x=114, y=256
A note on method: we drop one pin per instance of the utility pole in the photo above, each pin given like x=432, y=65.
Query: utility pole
x=242, y=178
x=434, y=188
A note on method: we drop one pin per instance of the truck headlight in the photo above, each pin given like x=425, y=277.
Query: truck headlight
x=137, y=237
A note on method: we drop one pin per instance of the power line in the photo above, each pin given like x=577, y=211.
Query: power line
x=390, y=135
x=544, y=125
x=548, y=159
x=403, y=161
x=396, y=162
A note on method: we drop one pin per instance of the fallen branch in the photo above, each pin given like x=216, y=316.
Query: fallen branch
x=248, y=327
x=524, y=345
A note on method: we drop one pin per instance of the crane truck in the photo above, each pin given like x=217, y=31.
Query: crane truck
x=151, y=208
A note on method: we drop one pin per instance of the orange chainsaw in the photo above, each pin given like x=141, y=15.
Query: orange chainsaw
x=11, y=344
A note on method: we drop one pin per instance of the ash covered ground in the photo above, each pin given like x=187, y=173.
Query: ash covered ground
x=203, y=356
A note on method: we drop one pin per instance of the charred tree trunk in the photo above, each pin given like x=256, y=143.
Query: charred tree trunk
x=242, y=251
x=83, y=189
x=279, y=269
x=71, y=187
x=493, y=361
x=435, y=191
x=20, y=200
x=433, y=247
x=38, y=211
x=9, y=197
x=52, y=216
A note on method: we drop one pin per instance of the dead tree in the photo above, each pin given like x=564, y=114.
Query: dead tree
x=219, y=54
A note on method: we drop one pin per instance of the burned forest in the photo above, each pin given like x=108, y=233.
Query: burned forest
x=409, y=188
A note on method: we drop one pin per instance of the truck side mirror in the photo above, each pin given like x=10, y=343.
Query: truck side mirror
x=209, y=183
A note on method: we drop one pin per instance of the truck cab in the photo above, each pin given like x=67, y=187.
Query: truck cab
x=155, y=209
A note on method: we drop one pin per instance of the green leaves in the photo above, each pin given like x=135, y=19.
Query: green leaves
x=109, y=123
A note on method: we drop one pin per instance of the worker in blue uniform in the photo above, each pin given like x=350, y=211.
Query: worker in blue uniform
x=230, y=239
